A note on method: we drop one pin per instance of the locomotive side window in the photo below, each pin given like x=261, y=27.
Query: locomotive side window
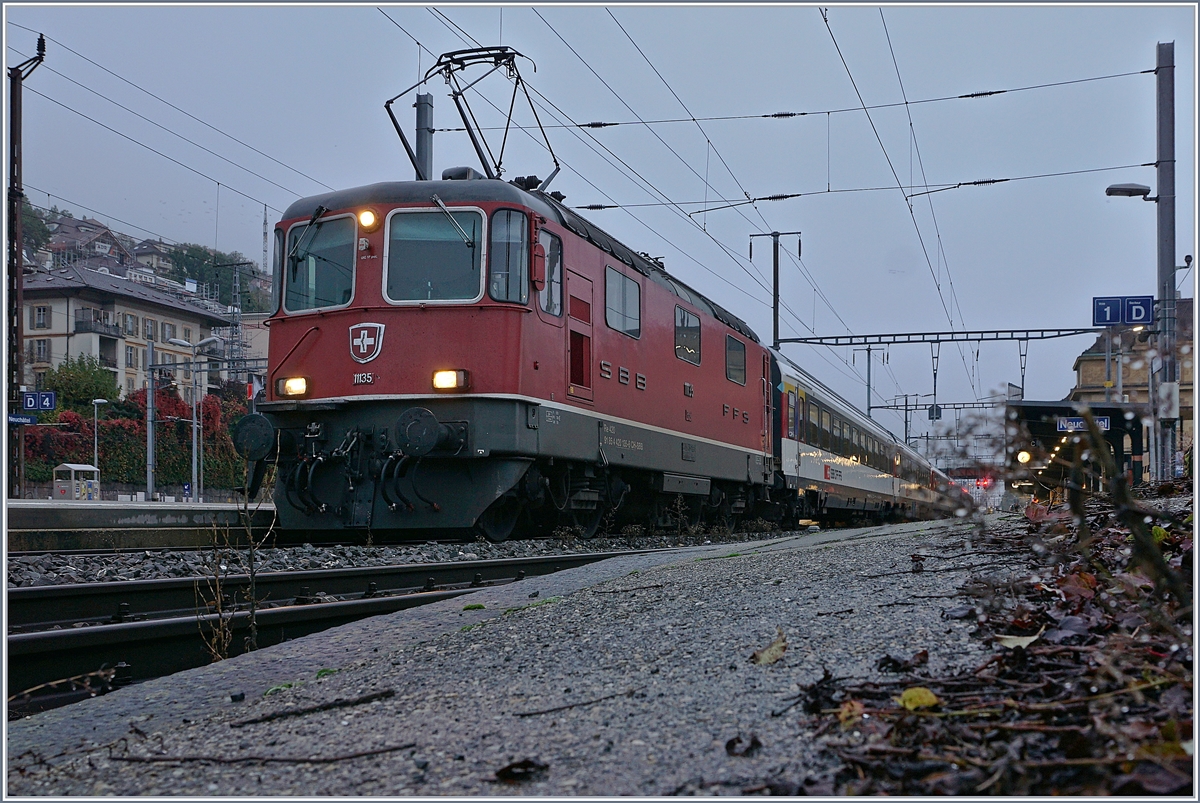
x=277, y=271
x=433, y=256
x=687, y=336
x=320, y=265
x=735, y=360
x=508, y=258
x=550, y=296
x=622, y=303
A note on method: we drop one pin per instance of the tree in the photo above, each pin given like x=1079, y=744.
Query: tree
x=192, y=261
x=34, y=232
x=78, y=380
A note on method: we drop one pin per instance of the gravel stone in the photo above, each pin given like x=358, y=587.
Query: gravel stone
x=626, y=677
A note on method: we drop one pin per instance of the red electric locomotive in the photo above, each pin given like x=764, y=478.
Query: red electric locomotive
x=466, y=352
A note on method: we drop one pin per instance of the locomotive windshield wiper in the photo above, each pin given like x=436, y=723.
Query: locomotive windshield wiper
x=310, y=229
x=465, y=237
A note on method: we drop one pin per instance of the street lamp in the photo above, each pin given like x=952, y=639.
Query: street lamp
x=195, y=395
x=96, y=431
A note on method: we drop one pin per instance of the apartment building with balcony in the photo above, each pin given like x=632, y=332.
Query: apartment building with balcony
x=71, y=311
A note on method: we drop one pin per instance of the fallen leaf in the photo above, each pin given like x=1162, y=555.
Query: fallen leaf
x=732, y=746
x=1012, y=642
x=889, y=664
x=916, y=697
x=520, y=771
x=1069, y=626
x=850, y=713
x=773, y=651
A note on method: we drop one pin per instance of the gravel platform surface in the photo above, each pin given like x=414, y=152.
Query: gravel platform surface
x=629, y=677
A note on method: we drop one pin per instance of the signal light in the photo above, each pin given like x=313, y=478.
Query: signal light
x=450, y=380
x=291, y=386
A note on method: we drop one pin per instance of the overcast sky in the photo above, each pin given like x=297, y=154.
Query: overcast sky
x=283, y=102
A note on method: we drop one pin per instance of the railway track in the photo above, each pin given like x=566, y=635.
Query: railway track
x=150, y=628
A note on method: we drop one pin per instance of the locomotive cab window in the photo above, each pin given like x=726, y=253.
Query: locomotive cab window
x=434, y=256
x=508, y=257
x=550, y=296
x=622, y=303
x=735, y=360
x=687, y=336
x=320, y=265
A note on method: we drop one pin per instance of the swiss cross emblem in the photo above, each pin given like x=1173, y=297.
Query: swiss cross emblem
x=366, y=341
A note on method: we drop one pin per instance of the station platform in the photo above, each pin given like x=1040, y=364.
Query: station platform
x=37, y=524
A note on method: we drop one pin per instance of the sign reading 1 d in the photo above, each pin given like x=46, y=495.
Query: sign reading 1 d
x=1123, y=310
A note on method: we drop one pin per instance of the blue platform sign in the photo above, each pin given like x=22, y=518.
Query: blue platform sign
x=1139, y=310
x=41, y=400
x=14, y=418
x=1122, y=310
x=1107, y=311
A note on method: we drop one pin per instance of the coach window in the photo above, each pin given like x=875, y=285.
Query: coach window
x=825, y=431
x=508, y=257
x=550, y=296
x=622, y=303
x=791, y=414
x=839, y=437
x=320, y=265
x=434, y=256
x=735, y=360
x=814, y=424
x=687, y=336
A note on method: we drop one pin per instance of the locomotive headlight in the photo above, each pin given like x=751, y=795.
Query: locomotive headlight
x=449, y=380
x=368, y=220
x=291, y=386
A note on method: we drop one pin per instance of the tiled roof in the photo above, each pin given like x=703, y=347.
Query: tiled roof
x=74, y=279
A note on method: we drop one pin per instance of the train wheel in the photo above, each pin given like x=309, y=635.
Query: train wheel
x=588, y=522
x=500, y=519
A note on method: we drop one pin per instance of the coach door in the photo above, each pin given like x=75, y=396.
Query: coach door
x=579, y=336
x=766, y=412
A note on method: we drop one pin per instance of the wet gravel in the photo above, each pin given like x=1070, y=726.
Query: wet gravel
x=52, y=569
x=629, y=677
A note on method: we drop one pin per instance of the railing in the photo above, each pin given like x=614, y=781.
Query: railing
x=108, y=363
x=83, y=325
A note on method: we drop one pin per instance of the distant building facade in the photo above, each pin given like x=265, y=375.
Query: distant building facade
x=73, y=311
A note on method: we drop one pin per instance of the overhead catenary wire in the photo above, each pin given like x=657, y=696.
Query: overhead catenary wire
x=164, y=128
x=871, y=107
x=938, y=187
x=899, y=183
x=49, y=195
x=940, y=245
x=184, y=112
x=149, y=148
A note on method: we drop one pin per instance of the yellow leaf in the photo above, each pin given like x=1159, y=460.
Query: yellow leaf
x=918, y=697
x=850, y=713
x=773, y=651
x=1012, y=642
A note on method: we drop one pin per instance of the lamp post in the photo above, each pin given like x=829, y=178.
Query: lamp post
x=1165, y=172
x=96, y=431
x=195, y=395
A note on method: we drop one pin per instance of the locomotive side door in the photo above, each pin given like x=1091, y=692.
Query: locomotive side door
x=579, y=336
